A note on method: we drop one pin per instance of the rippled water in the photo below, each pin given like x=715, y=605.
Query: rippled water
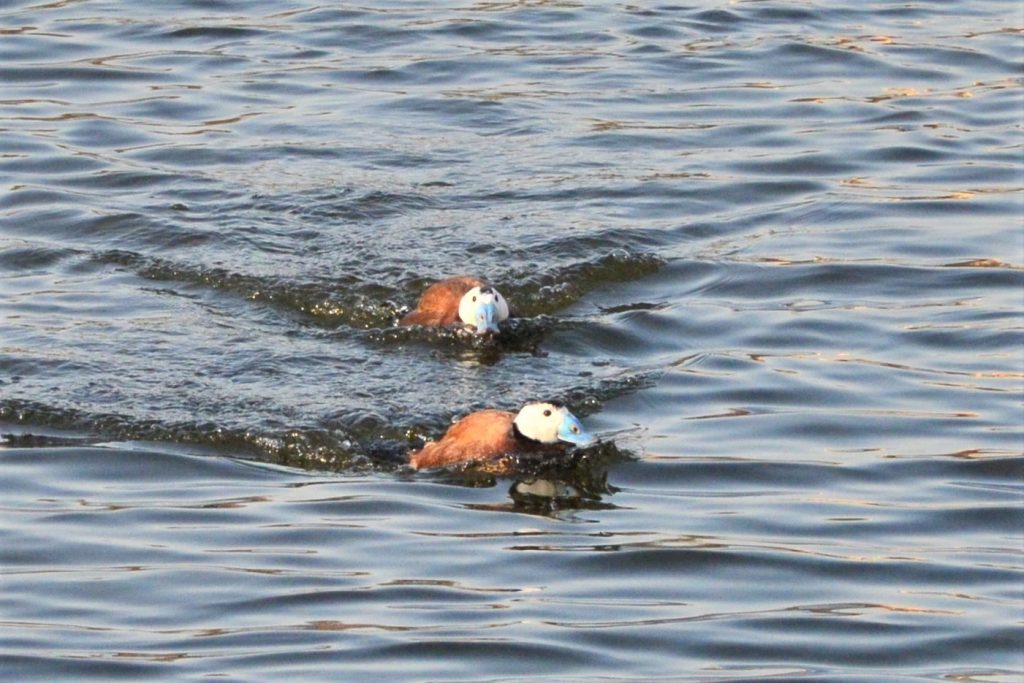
x=770, y=251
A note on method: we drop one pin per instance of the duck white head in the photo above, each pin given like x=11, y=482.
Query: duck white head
x=550, y=423
x=483, y=308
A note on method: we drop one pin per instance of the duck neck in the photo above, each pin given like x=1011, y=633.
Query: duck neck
x=522, y=439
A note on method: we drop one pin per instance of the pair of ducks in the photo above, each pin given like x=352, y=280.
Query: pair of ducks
x=486, y=434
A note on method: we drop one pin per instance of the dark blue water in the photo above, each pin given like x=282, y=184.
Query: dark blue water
x=771, y=252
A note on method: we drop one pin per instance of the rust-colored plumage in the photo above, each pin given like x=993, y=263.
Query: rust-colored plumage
x=477, y=436
x=481, y=437
x=439, y=305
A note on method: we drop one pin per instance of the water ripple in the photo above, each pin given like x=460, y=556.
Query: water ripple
x=769, y=252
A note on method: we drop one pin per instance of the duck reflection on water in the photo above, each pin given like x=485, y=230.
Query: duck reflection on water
x=554, y=486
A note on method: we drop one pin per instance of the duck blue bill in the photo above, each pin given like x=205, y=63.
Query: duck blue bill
x=486, y=314
x=571, y=431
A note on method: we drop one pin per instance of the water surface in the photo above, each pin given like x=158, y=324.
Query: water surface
x=769, y=251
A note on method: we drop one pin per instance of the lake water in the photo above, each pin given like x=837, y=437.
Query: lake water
x=771, y=252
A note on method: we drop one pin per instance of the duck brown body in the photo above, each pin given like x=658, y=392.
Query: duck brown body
x=439, y=305
x=479, y=436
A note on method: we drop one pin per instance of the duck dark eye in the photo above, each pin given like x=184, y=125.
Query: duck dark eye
x=547, y=413
x=474, y=299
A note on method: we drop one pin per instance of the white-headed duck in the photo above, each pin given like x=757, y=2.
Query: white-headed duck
x=462, y=298
x=538, y=427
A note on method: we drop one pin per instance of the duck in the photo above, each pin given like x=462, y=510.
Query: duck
x=542, y=427
x=462, y=298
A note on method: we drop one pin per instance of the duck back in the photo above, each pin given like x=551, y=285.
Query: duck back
x=477, y=436
x=439, y=305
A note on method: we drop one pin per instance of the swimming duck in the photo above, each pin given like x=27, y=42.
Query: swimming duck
x=538, y=427
x=462, y=298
